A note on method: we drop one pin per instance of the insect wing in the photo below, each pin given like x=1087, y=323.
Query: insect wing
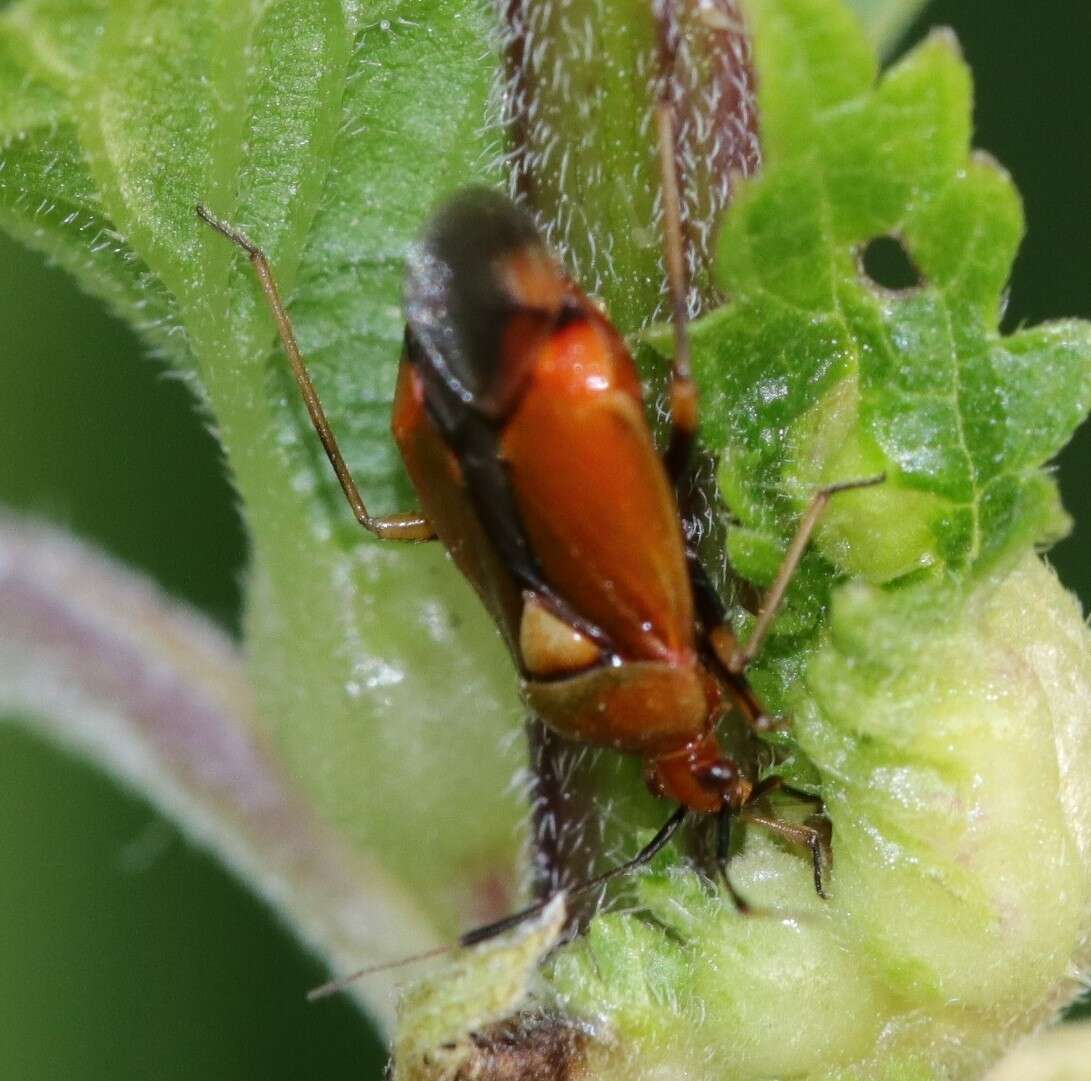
x=593, y=495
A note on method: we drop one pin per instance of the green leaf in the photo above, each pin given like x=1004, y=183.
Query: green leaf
x=318, y=128
x=941, y=726
x=327, y=131
x=48, y=200
x=885, y=20
x=926, y=745
x=442, y=1018
x=47, y=195
x=909, y=799
x=391, y=695
x=1056, y=1055
x=56, y=40
x=816, y=373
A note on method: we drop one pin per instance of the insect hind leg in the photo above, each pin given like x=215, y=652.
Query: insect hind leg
x=408, y=526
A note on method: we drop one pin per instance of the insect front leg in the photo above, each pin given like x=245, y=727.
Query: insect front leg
x=723, y=854
x=406, y=526
x=807, y=836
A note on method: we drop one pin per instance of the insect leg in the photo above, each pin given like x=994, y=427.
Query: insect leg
x=724, y=645
x=723, y=851
x=737, y=658
x=802, y=835
x=774, y=783
x=410, y=526
x=683, y=391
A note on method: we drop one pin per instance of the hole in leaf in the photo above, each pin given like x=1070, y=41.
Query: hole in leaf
x=886, y=262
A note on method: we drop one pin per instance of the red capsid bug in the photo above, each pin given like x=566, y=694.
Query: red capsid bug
x=520, y=419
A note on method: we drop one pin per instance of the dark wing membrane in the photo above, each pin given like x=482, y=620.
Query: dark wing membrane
x=458, y=303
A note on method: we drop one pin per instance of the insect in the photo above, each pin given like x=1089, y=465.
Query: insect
x=519, y=416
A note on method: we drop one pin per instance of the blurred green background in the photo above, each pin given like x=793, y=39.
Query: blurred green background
x=126, y=954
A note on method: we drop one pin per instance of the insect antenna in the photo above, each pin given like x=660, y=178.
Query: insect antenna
x=488, y=931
